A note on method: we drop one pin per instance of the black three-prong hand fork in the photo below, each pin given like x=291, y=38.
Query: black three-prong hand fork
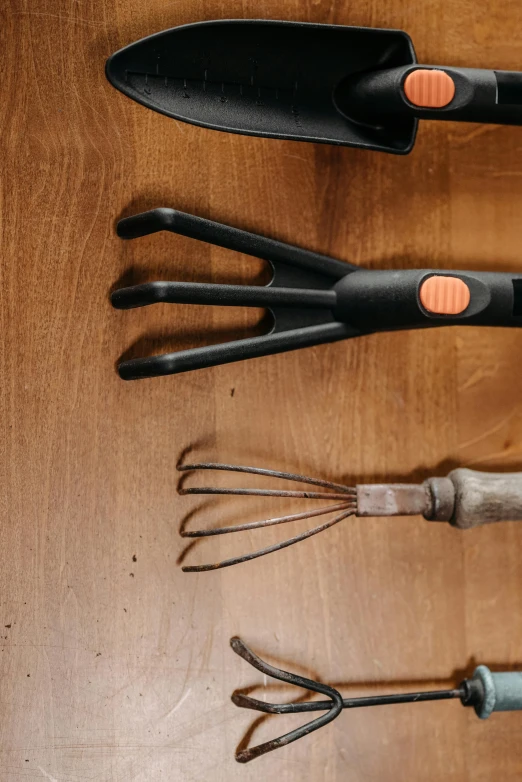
x=314, y=299
x=485, y=690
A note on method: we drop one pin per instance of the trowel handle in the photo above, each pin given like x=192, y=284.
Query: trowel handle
x=485, y=497
x=440, y=92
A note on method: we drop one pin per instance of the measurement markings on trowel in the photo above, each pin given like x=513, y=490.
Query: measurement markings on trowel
x=224, y=90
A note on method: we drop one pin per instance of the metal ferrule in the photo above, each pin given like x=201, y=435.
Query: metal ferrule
x=434, y=499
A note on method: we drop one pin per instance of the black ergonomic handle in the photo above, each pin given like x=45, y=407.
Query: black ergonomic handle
x=436, y=92
x=406, y=299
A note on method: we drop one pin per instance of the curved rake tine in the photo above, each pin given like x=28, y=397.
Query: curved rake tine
x=247, y=702
x=204, y=533
x=304, y=495
x=287, y=476
x=334, y=708
x=270, y=549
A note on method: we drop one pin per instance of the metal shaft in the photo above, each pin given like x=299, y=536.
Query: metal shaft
x=349, y=703
x=375, y=700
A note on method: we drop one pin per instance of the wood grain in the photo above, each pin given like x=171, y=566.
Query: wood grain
x=114, y=664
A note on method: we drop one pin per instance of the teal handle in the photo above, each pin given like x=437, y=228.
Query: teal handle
x=502, y=691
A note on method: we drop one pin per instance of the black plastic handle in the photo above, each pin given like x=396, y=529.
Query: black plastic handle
x=435, y=92
x=388, y=300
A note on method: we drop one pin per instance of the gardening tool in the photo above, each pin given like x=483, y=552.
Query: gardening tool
x=465, y=498
x=313, y=298
x=487, y=692
x=354, y=86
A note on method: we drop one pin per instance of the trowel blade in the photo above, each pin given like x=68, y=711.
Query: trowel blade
x=263, y=78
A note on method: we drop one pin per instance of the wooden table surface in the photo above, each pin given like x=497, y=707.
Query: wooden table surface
x=115, y=665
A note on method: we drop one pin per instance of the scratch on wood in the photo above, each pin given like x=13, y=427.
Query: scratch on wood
x=49, y=776
x=178, y=705
x=492, y=430
x=61, y=17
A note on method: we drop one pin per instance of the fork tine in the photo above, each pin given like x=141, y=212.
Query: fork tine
x=226, y=353
x=222, y=295
x=164, y=219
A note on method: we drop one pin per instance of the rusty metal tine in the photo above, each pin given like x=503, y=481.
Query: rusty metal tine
x=269, y=549
x=287, y=476
x=304, y=495
x=203, y=533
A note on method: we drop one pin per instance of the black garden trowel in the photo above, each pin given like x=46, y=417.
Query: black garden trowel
x=352, y=86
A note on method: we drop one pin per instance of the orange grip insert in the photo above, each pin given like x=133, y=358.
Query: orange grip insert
x=429, y=88
x=444, y=295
